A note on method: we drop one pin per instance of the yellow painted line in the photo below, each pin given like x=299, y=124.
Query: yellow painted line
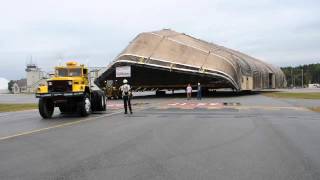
x=56, y=126
x=66, y=124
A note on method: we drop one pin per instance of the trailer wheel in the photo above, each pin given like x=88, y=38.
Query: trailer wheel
x=46, y=108
x=98, y=100
x=85, y=106
x=160, y=93
x=103, y=101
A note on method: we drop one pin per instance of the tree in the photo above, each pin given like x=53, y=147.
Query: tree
x=10, y=85
x=311, y=74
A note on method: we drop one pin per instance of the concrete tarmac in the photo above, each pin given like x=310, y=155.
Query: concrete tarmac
x=226, y=138
x=17, y=98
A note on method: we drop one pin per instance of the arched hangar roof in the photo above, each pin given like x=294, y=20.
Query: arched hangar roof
x=181, y=52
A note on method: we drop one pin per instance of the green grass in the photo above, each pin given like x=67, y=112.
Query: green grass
x=17, y=107
x=314, y=95
x=315, y=109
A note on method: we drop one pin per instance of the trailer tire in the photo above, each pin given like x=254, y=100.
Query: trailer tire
x=84, y=106
x=98, y=101
x=104, y=105
x=46, y=108
x=160, y=93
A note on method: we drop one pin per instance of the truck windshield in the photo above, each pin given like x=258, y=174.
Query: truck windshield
x=68, y=72
x=75, y=72
x=62, y=72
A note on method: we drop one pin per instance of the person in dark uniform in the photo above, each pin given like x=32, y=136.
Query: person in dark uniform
x=199, y=92
x=126, y=95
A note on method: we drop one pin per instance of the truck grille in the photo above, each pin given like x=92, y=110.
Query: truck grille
x=59, y=86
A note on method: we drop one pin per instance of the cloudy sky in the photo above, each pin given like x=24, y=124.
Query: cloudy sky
x=281, y=32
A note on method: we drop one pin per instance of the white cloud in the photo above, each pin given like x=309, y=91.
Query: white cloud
x=280, y=32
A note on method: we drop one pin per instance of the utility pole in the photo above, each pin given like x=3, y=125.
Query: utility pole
x=302, y=77
x=291, y=78
x=294, y=81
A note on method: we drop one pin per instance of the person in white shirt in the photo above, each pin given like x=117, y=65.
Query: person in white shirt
x=126, y=95
x=189, y=91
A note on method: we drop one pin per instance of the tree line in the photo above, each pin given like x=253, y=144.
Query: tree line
x=310, y=74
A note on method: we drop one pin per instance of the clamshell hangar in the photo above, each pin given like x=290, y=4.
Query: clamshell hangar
x=168, y=60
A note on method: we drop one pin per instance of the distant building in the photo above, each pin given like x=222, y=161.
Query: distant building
x=313, y=85
x=34, y=77
x=19, y=86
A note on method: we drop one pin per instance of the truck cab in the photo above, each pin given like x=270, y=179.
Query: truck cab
x=69, y=89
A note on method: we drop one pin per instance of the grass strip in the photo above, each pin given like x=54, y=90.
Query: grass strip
x=315, y=109
x=17, y=107
x=313, y=95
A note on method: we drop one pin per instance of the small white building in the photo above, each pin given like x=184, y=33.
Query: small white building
x=19, y=86
x=4, y=86
x=313, y=85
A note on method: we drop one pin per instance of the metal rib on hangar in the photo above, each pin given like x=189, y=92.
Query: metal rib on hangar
x=167, y=59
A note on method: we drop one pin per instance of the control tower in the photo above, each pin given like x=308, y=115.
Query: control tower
x=34, y=77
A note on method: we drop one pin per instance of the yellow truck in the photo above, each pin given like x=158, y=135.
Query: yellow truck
x=70, y=89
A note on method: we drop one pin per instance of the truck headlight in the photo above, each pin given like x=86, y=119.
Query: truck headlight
x=50, y=83
x=70, y=83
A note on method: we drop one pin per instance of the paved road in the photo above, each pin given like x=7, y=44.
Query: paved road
x=17, y=98
x=250, y=137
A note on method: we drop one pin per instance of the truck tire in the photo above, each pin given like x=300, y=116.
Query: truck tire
x=84, y=106
x=98, y=101
x=46, y=108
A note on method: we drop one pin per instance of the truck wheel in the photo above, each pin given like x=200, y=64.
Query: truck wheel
x=85, y=106
x=46, y=108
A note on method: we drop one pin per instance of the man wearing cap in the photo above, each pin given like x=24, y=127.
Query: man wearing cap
x=126, y=95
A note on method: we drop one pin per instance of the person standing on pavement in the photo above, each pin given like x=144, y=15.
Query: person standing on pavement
x=189, y=91
x=126, y=95
x=199, y=92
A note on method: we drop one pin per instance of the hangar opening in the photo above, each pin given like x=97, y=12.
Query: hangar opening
x=151, y=78
x=271, y=80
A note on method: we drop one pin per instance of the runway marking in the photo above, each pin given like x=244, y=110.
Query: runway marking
x=192, y=105
x=67, y=124
x=114, y=106
x=223, y=105
x=166, y=106
x=120, y=105
x=56, y=126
